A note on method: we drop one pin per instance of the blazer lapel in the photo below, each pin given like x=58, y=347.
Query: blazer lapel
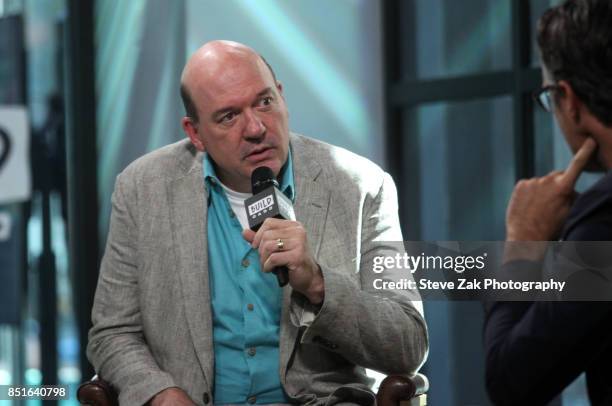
x=188, y=210
x=311, y=208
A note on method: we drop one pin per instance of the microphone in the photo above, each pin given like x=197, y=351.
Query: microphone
x=268, y=201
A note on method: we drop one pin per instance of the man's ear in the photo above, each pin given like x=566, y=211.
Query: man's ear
x=568, y=102
x=279, y=87
x=192, y=131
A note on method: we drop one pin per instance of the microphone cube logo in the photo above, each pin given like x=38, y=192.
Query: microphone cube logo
x=261, y=206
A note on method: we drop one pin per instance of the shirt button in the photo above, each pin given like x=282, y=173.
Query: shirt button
x=250, y=306
x=245, y=263
x=206, y=398
x=252, y=351
x=252, y=399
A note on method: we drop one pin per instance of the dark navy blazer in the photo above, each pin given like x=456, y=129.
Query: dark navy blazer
x=535, y=349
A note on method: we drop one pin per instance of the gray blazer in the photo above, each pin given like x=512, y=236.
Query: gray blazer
x=152, y=322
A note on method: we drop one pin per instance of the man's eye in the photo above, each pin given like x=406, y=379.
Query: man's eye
x=228, y=117
x=266, y=101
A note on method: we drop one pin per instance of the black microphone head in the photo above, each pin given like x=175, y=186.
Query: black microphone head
x=262, y=178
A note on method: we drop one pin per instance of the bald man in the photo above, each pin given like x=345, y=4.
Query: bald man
x=187, y=310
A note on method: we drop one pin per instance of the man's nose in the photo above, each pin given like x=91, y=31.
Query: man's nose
x=254, y=127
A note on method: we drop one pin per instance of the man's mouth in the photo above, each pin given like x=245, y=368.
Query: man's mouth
x=259, y=154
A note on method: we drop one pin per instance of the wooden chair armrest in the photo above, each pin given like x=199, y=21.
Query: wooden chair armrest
x=97, y=392
x=396, y=388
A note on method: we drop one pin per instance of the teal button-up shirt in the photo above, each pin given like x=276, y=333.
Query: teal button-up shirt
x=246, y=303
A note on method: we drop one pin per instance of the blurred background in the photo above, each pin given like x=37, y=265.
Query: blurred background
x=438, y=92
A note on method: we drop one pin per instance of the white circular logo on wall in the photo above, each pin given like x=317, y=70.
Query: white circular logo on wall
x=5, y=226
x=15, y=180
x=5, y=147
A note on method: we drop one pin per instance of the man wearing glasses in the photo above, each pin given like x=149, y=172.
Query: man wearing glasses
x=535, y=349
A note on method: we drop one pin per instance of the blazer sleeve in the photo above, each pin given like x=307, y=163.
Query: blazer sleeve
x=381, y=329
x=117, y=348
x=535, y=349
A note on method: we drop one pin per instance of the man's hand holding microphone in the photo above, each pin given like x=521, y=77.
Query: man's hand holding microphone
x=281, y=241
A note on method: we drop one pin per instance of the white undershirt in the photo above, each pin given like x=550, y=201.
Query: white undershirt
x=236, y=201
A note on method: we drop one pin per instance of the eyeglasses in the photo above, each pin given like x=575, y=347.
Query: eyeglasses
x=544, y=97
